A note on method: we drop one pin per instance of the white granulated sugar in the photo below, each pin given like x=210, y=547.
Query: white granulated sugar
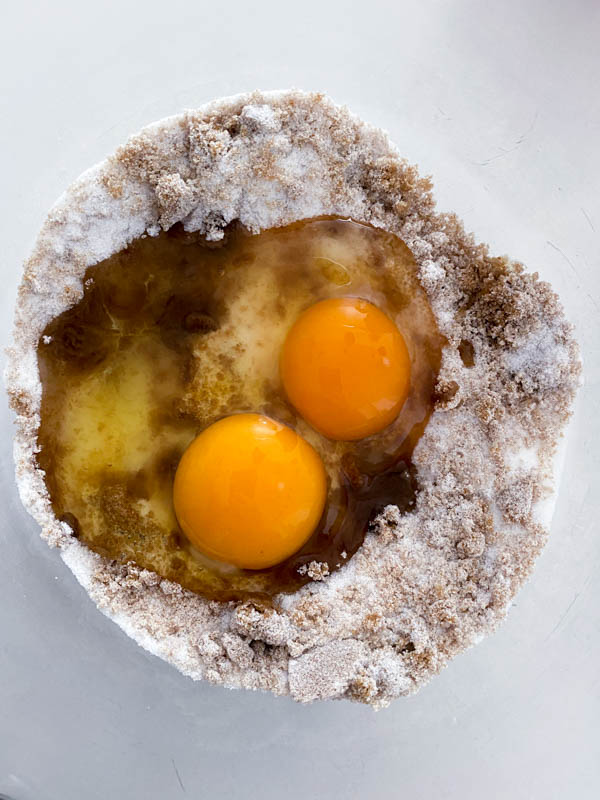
x=540, y=359
x=424, y=585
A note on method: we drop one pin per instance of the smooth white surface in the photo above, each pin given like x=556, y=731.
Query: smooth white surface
x=499, y=101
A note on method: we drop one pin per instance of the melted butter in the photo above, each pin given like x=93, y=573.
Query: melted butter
x=173, y=333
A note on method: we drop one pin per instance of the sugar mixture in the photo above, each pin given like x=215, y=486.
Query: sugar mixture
x=427, y=581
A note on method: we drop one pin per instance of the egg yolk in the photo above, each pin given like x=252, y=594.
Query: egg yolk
x=249, y=491
x=345, y=368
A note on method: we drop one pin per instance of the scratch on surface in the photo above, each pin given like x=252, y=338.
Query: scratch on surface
x=566, y=258
x=178, y=775
x=507, y=150
x=562, y=616
x=570, y=263
x=443, y=113
x=585, y=214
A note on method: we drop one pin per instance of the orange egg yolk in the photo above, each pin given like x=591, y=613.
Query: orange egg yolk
x=249, y=491
x=345, y=368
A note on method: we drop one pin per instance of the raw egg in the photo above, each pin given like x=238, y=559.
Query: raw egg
x=249, y=491
x=345, y=368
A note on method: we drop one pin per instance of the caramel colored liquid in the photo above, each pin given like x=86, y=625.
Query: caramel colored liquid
x=175, y=332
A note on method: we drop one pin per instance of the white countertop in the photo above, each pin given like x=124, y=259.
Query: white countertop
x=499, y=102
